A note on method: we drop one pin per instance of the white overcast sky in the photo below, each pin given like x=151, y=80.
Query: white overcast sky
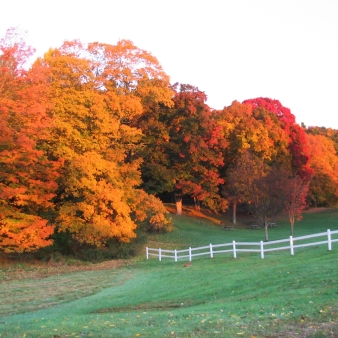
x=230, y=49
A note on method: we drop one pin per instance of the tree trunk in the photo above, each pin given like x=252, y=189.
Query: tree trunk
x=197, y=204
x=178, y=201
x=266, y=231
x=234, y=209
x=292, y=223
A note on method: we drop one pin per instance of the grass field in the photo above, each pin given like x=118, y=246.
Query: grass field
x=279, y=296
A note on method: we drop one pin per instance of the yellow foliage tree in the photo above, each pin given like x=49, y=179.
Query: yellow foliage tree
x=256, y=130
x=324, y=162
x=94, y=93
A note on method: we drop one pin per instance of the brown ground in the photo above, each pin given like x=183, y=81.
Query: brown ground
x=203, y=213
x=29, y=269
x=317, y=210
x=223, y=218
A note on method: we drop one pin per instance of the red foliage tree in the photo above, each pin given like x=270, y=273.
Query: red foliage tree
x=200, y=147
x=297, y=140
x=184, y=149
x=28, y=177
x=296, y=190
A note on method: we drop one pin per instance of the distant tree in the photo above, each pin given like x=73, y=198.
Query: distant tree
x=254, y=129
x=296, y=192
x=324, y=162
x=261, y=187
x=331, y=134
x=297, y=144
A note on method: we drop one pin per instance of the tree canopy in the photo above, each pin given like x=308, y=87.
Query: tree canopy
x=91, y=135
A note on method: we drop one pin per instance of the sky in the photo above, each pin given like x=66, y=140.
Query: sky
x=230, y=49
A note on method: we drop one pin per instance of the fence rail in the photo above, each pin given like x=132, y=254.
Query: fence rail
x=235, y=247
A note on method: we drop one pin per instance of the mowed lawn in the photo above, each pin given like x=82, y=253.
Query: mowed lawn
x=278, y=296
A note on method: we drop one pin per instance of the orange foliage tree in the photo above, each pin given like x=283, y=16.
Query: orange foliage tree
x=324, y=162
x=27, y=183
x=94, y=93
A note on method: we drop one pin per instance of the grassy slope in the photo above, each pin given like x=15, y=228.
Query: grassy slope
x=280, y=296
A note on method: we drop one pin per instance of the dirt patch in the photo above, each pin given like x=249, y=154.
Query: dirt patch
x=37, y=270
x=153, y=306
x=203, y=213
x=311, y=330
x=318, y=210
x=225, y=218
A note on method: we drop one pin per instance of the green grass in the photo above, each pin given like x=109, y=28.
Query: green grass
x=279, y=296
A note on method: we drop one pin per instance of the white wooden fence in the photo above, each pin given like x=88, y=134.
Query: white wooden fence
x=235, y=247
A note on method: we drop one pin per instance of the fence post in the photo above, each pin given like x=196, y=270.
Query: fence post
x=159, y=254
x=234, y=248
x=329, y=239
x=211, y=253
x=175, y=255
x=262, y=249
x=147, y=253
x=190, y=258
x=291, y=246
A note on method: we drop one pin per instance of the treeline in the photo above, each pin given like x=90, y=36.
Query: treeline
x=91, y=135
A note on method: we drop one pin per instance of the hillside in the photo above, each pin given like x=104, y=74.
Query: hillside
x=279, y=296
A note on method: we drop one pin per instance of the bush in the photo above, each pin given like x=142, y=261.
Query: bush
x=151, y=215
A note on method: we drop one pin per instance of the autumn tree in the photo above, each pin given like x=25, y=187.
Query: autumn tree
x=260, y=187
x=256, y=130
x=132, y=73
x=270, y=132
x=297, y=144
x=184, y=151
x=324, y=162
x=296, y=189
x=94, y=95
x=330, y=133
x=157, y=169
x=27, y=184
